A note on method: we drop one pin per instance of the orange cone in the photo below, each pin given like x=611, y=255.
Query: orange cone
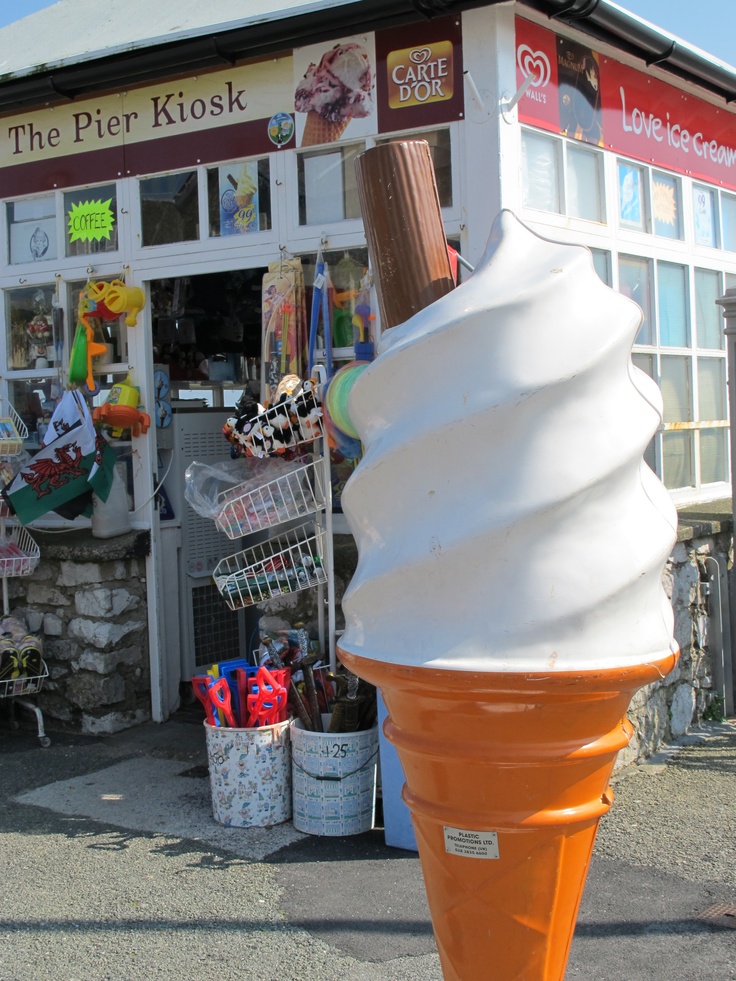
x=506, y=778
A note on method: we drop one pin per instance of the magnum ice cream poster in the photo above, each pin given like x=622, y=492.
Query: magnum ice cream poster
x=579, y=92
x=334, y=90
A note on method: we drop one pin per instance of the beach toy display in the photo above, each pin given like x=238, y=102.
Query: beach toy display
x=507, y=600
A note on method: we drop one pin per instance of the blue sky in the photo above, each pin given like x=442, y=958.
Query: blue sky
x=710, y=25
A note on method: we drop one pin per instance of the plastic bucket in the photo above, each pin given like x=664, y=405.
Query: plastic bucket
x=334, y=780
x=398, y=830
x=250, y=775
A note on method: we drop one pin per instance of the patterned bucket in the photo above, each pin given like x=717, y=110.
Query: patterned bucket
x=250, y=775
x=334, y=778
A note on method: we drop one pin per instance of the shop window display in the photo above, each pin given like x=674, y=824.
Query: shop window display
x=169, y=209
x=90, y=220
x=632, y=196
x=666, y=205
x=32, y=230
x=705, y=216
x=239, y=198
x=30, y=339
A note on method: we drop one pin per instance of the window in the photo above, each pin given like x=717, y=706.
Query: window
x=239, y=198
x=635, y=281
x=30, y=340
x=677, y=444
x=728, y=218
x=709, y=322
x=632, y=196
x=540, y=172
x=169, y=209
x=602, y=264
x=32, y=229
x=584, y=184
x=666, y=205
x=440, y=149
x=90, y=220
x=672, y=299
x=328, y=189
x=705, y=216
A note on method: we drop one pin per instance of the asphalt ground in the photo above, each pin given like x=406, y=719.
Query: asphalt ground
x=113, y=869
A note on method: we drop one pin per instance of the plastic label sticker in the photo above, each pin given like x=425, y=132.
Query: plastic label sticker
x=471, y=844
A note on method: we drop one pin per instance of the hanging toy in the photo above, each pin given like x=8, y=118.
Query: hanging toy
x=121, y=410
x=84, y=348
x=113, y=299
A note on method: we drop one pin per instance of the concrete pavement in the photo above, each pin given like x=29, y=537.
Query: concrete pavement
x=113, y=869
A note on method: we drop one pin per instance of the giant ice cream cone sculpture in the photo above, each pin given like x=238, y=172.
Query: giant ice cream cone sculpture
x=507, y=599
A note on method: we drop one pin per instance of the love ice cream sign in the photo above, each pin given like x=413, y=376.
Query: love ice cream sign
x=586, y=96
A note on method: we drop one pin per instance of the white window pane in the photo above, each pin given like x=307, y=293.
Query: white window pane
x=711, y=389
x=704, y=216
x=676, y=389
x=677, y=460
x=674, y=326
x=713, y=465
x=540, y=172
x=584, y=195
x=666, y=205
x=709, y=322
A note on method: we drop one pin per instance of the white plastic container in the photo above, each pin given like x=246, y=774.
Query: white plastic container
x=334, y=780
x=250, y=775
x=111, y=517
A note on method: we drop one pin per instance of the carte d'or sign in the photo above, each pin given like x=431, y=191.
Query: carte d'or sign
x=582, y=94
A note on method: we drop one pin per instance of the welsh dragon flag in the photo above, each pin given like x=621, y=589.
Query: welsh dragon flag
x=74, y=460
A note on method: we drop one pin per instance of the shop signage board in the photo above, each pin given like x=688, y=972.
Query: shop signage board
x=580, y=93
x=246, y=111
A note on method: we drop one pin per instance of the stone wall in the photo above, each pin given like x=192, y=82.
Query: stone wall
x=664, y=712
x=87, y=601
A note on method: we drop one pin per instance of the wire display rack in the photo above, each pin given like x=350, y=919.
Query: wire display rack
x=19, y=556
x=13, y=431
x=285, y=564
x=291, y=496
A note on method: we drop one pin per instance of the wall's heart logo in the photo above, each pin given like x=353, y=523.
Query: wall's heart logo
x=534, y=63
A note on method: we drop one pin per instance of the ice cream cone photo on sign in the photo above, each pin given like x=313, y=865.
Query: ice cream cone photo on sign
x=334, y=91
x=508, y=598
